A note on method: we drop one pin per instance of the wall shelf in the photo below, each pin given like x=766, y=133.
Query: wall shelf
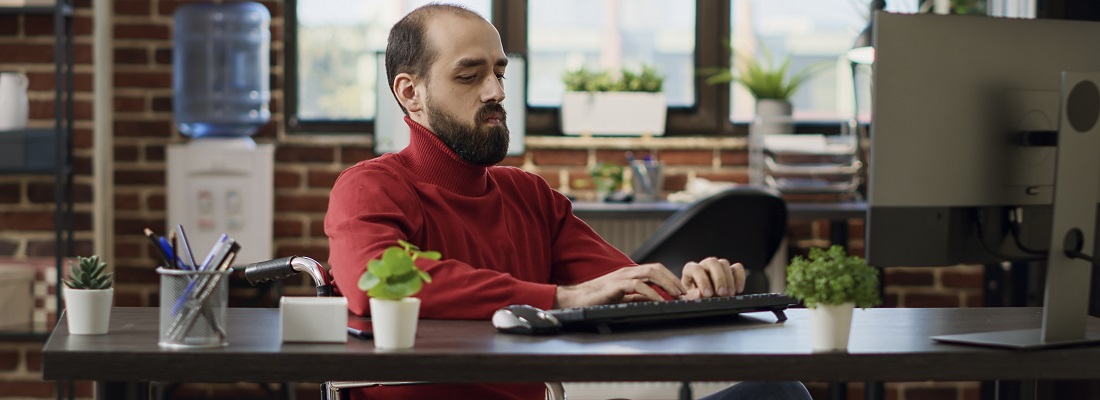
x=48, y=151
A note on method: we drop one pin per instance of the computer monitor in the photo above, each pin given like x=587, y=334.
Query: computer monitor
x=975, y=119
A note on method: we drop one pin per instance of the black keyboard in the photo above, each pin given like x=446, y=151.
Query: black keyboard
x=655, y=311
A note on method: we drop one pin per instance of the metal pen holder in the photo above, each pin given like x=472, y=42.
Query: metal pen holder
x=192, y=308
x=647, y=180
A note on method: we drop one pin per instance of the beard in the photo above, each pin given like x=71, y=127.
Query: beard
x=476, y=143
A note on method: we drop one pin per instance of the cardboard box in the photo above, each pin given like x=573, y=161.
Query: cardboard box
x=16, y=296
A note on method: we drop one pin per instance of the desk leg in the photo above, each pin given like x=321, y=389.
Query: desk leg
x=121, y=390
x=838, y=391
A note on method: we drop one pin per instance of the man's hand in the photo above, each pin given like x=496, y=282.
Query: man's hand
x=623, y=285
x=713, y=277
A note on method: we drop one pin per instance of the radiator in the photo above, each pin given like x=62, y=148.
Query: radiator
x=627, y=234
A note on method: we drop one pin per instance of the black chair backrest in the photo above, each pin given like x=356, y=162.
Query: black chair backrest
x=745, y=224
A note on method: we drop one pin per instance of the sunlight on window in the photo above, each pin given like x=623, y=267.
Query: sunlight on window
x=813, y=33
x=337, y=44
x=599, y=34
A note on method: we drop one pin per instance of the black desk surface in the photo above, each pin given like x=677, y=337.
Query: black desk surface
x=886, y=345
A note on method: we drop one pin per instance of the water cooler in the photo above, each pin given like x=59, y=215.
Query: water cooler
x=221, y=181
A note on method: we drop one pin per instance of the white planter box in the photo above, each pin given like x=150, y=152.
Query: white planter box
x=613, y=113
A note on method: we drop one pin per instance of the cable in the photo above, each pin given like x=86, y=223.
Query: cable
x=1073, y=242
x=1015, y=218
x=998, y=254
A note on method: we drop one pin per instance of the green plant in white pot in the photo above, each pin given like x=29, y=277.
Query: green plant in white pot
x=771, y=84
x=390, y=281
x=88, y=296
x=831, y=283
x=606, y=102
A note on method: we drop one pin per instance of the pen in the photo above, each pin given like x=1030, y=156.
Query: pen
x=185, y=247
x=165, y=254
x=361, y=334
x=221, y=242
x=172, y=240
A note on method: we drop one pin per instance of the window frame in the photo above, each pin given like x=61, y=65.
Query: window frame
x=708, y=117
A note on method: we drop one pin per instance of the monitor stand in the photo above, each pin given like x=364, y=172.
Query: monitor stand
x=1076, y=195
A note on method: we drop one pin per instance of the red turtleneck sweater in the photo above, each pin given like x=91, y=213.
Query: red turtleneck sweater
x=505, y=235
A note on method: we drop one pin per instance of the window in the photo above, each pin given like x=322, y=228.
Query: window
x=331, y=81
x=332, y=46
x=813, y=33
x=568, y=34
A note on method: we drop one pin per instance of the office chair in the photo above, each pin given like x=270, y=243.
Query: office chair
x=744, y=224
x=281, y=268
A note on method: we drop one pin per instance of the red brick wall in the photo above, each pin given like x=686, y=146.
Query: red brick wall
x=305, y=169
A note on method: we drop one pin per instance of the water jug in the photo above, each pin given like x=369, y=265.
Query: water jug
x=221, y=72
x=13, y=101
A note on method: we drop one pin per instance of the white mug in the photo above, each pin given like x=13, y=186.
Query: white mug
x=14, y=106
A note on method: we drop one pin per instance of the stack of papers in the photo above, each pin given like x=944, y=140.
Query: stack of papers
x=810, y=144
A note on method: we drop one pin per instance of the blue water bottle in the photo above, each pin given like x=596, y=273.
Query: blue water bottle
x=221, y=71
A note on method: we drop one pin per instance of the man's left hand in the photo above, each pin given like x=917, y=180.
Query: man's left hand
x=712, y=277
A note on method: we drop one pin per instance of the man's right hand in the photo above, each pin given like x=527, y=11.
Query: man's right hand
x=623, y=285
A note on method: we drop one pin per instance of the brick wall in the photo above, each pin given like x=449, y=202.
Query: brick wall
x=305, y=169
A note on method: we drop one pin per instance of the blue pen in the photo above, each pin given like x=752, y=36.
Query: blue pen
x=166, y=248
x=213, y=252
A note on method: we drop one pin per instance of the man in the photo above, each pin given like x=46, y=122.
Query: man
x=506, y=237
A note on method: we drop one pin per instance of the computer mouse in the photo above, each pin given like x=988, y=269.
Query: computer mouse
x=524, y=319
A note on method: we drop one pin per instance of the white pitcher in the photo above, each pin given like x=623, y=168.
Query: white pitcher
x=14, y=107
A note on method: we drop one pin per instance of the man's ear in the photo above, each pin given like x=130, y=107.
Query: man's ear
x=404, y=86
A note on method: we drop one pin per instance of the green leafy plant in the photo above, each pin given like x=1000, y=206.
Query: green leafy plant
x=763, y=78
x=395, y=276
x=832, y=277
x=88, y=273
x=606, y=177
x=626, y=80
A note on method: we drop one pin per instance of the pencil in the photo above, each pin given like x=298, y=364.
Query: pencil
x=156, y=245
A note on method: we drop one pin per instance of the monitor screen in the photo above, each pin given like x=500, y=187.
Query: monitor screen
x=984, y=148
x=952, y=97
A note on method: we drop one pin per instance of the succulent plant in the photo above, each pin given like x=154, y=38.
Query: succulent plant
x=88, y=273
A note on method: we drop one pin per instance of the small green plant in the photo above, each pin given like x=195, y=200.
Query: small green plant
x=88, y=273
x=584, y=80
x=832, y=277
x=395, y=275
x=606, y=177
x=762, y=78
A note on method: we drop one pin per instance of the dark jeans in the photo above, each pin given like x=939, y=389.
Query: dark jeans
x=793, y=390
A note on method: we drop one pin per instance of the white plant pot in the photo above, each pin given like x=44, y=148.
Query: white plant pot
x=613, y=113
x=89, y=311
x=773, y=117
x=394, y=322
x=831, y=325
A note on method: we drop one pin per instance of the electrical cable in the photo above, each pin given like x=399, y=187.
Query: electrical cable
x=1015, y=218
x=998, y=254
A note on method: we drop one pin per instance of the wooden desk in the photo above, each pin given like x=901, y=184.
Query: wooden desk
x=886, y=345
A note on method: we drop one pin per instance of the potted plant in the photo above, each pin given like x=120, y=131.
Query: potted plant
x=772, y=85
x=831, y=283
x=88, y=296
x=604, y=103
x=390, y=281
x=607, y=179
